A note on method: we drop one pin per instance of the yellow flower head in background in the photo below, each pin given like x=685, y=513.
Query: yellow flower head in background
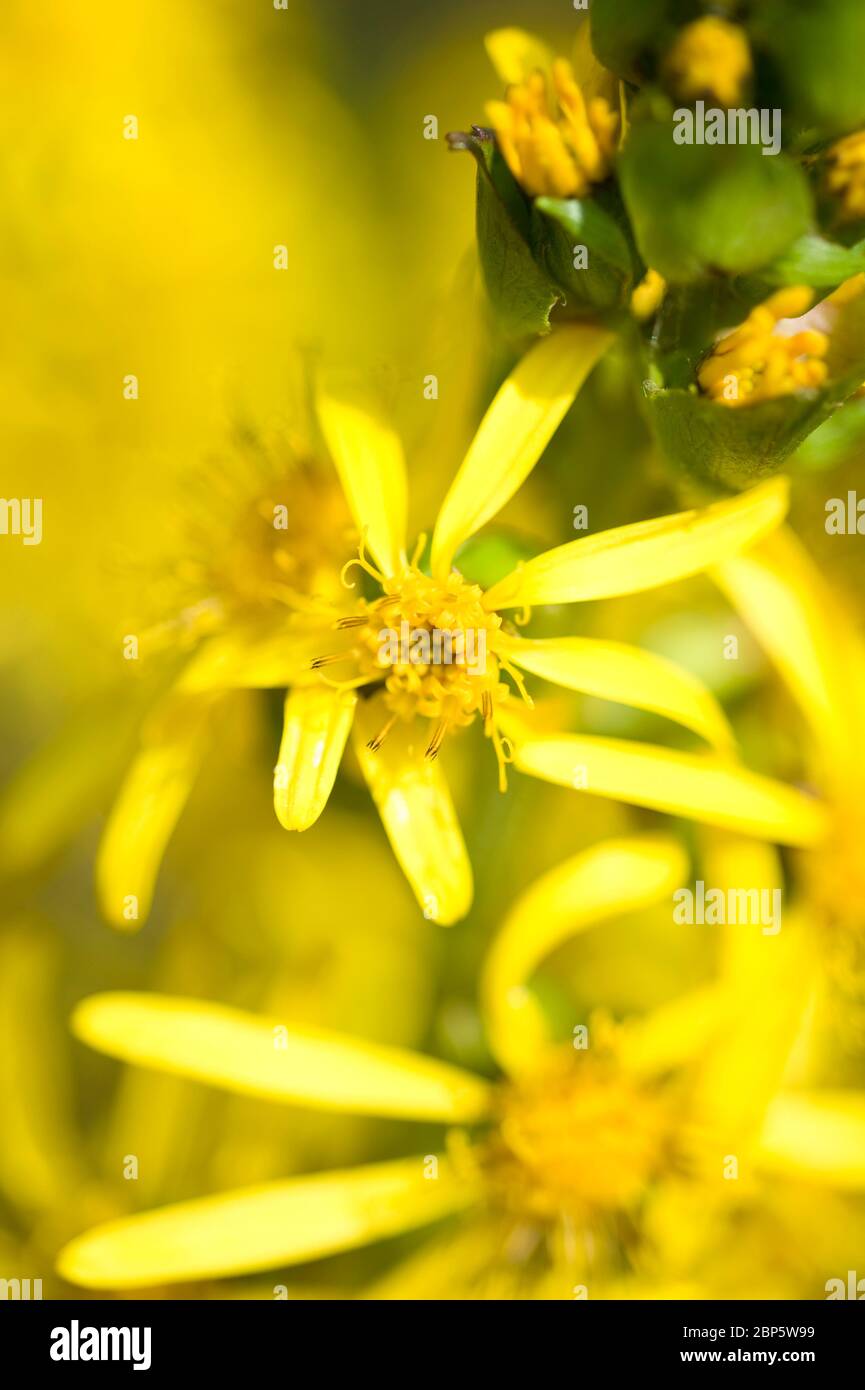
x=557, y=136
x=845, y=175
x=757, y=363
x=346, y=676
x=571, y=1161
x=710, y=58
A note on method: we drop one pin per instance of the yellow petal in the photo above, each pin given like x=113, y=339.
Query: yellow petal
x=764, y=1008
x=627, y=674
x=265, y=1227
x=646, y=554
x=817, y=1135
x=153, y=795
x=672, y=1034
x=417, y=812
x=516, y=54
x=265, y=1057
x=733, y=863
x=681, y=784
x=616, y=877
x=369, y=459
x=782, y=598
x=255, y=656
x=317, y=723
x=520, y=422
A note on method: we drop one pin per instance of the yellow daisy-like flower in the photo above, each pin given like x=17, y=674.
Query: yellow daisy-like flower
x=566, y=1167
x=557, y=139
x=710, y=58
x=845, y=175
x=757, y=363
x=430, y=652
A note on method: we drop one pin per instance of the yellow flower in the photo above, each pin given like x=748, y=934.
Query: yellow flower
x=350, y=673
x=756, y=363
x=710, y=58
x=845, y=175
x=570, y=1162
x=557, y=139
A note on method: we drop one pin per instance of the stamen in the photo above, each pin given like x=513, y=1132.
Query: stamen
x=330, y=659
x=517, y=679
x=418, y=550
x=361, y=560
x=374, y=744
x=357, y=620
x=435, y=742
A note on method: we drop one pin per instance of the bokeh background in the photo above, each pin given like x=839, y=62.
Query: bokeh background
x=257, y=128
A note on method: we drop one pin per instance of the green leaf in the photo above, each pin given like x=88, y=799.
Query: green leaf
x=521, y=293
x=814, y=261
x=732, y=446
x=698, y=208
x=564, y=224
x=817, y=50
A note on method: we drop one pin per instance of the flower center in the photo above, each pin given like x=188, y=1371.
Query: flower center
x=578, y=1137
x=757, y=363
x=555, y=143
x=429, y=645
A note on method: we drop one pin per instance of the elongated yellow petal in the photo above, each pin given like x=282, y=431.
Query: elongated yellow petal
x=612, y=878
x=256, y=657
x=782, y=598
x=264, y=1057
x=764, y=1010
x=148, y=807
x=646, y=554
x=516, y=54
x=629, y=675
x=317, y=723
x=371, y=467
x=817, y=1135
x=682, y=784
x=520, y=422
x=265, y=1227
x=740, y=865
x=672, y=1034
x=417, y=812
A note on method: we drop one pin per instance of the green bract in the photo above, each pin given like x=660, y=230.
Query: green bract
x=737, y=446
x=570, y=254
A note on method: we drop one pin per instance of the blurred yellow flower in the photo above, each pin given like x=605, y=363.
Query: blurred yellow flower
x=845, y=175
x=573, y=1155
x=710, y=58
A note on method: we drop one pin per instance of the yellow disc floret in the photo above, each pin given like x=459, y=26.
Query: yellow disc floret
x=845, y=176
x=648, y=295
x=710, y=58
x=555, y=142
x=430, y=646
x=757, y=363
